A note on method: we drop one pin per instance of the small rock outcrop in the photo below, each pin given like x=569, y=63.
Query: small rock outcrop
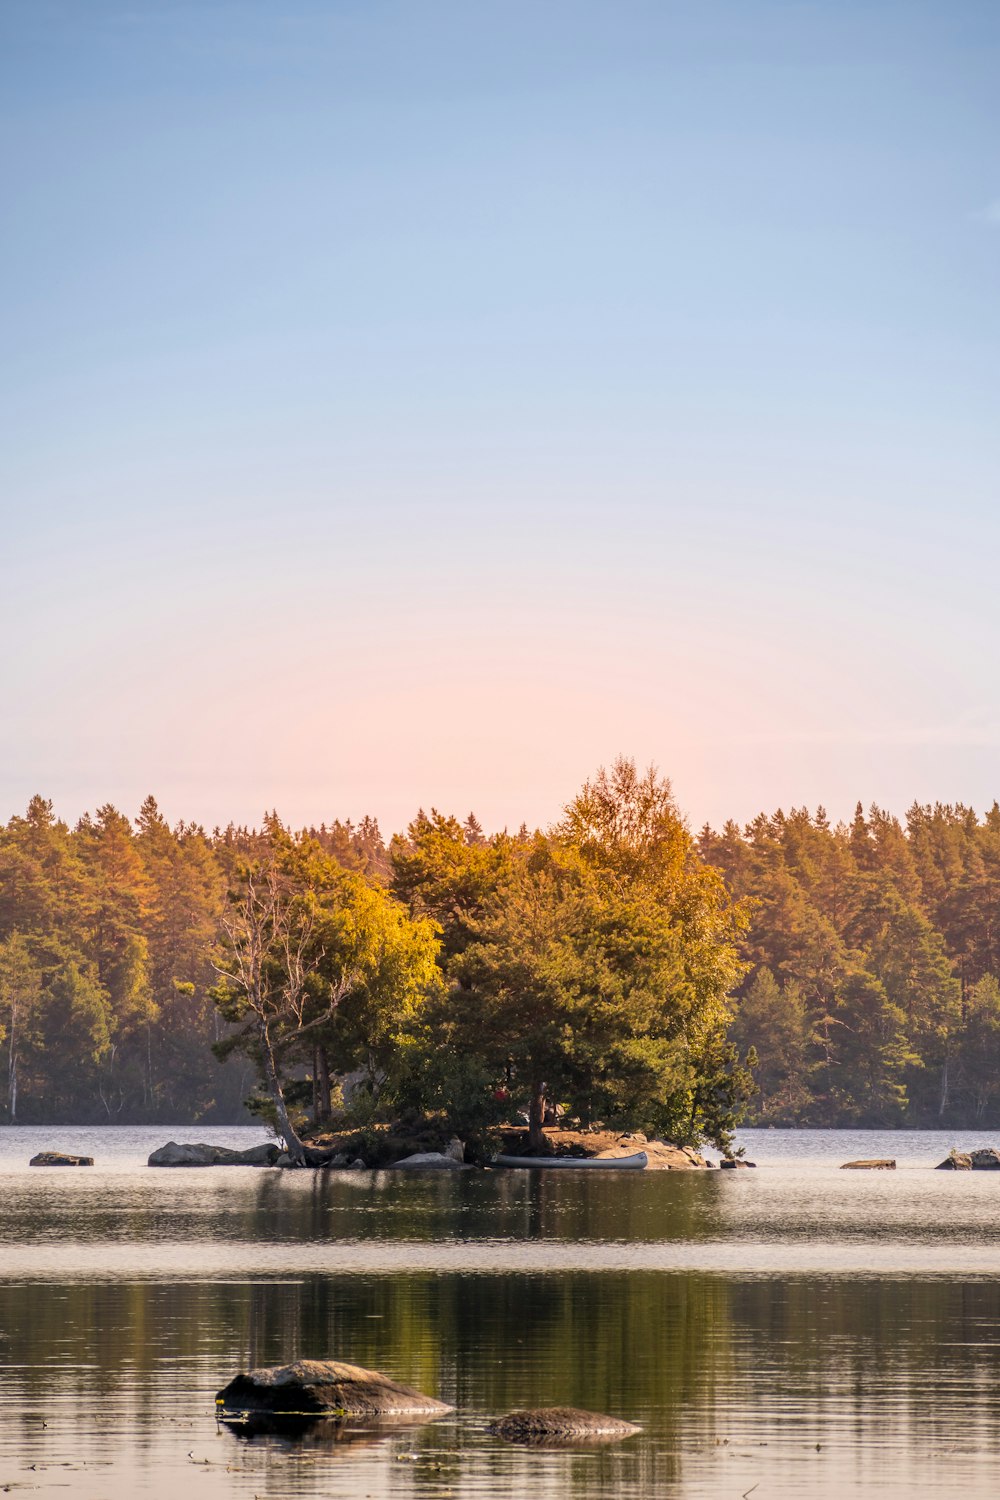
x=986, y=1159
x=735, y=1161
x=551, y=1425
x=323, y=1387
x=202, y=1155
x=60, y=1159
x=876, y=1164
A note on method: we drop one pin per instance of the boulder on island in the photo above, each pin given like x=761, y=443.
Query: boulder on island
x=323, y=1388
x=955, y=1161
x=202, y=1155
x=875, y=1164
x=556, y=1425
x=60, y=1159
x=986, y=1159
x=264, y=1155
x=432, y=1159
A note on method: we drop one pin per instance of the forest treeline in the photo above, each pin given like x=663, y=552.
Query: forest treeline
x=614, y=965
x=873, y=952
x=448, y=975
x=108, y=932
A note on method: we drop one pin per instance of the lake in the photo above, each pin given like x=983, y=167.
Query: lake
x=790, y=1330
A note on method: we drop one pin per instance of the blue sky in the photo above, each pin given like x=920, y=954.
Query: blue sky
x=423, y=403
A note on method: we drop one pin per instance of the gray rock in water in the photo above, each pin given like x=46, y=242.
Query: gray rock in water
x=197, y=1155
x=60, y=1159
x=735, y=1161
x=202, y=1155
x=438, y=1159
x=874, y=1164
x=956, y=1161
x=552, y=1425
x=986, y=1159
x=324, y=1387
x=264, y=1155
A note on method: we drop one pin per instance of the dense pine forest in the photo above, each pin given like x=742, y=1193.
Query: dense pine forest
x=871, y=994
x=614, y=965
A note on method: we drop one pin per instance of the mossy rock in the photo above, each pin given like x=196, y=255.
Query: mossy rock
x=323, y=1387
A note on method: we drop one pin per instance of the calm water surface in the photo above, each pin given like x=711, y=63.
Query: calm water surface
x=789, y=1331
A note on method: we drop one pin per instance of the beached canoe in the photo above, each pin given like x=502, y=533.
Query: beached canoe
x=633, y=1163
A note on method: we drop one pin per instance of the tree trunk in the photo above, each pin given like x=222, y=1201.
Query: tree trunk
x=149, y=1066
x=12, y=1063
x=944, y=1088
x=293, y=1144
x=323, y=1081
x=536, y=1117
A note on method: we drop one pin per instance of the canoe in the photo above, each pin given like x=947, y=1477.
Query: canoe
x=634, y=1163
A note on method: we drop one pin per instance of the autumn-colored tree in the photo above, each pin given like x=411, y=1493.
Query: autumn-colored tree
x=600, y=966
x=301, y=937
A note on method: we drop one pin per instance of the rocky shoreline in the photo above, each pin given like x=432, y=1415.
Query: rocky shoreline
x=386, y=1151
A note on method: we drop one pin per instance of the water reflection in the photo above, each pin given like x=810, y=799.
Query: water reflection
x=127, y=1298
x=897, y=1381
x=238, y=1222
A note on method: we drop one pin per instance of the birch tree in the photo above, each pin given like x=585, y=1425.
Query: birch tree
x=302, y=938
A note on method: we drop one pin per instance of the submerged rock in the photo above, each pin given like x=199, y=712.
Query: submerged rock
x=324, y=1387
x=876, y=1164
x=560, y=1424
x=956, y=1161
x=202, y=1155
x=734, y=1161
x=60, y=1159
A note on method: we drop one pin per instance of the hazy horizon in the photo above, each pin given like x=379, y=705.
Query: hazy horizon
x=423, y=405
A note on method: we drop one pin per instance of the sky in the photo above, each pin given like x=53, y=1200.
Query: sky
x=411, y=403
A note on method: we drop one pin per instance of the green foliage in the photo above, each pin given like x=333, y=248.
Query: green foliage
x=316, y=961
x=446, y=871
x=977, y=1053
x=106, y=917
x=773, y=1022
x=590, y=967
x=613, y=965
x=877, y=937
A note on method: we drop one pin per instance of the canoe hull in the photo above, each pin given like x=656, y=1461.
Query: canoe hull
x=635, y=1163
